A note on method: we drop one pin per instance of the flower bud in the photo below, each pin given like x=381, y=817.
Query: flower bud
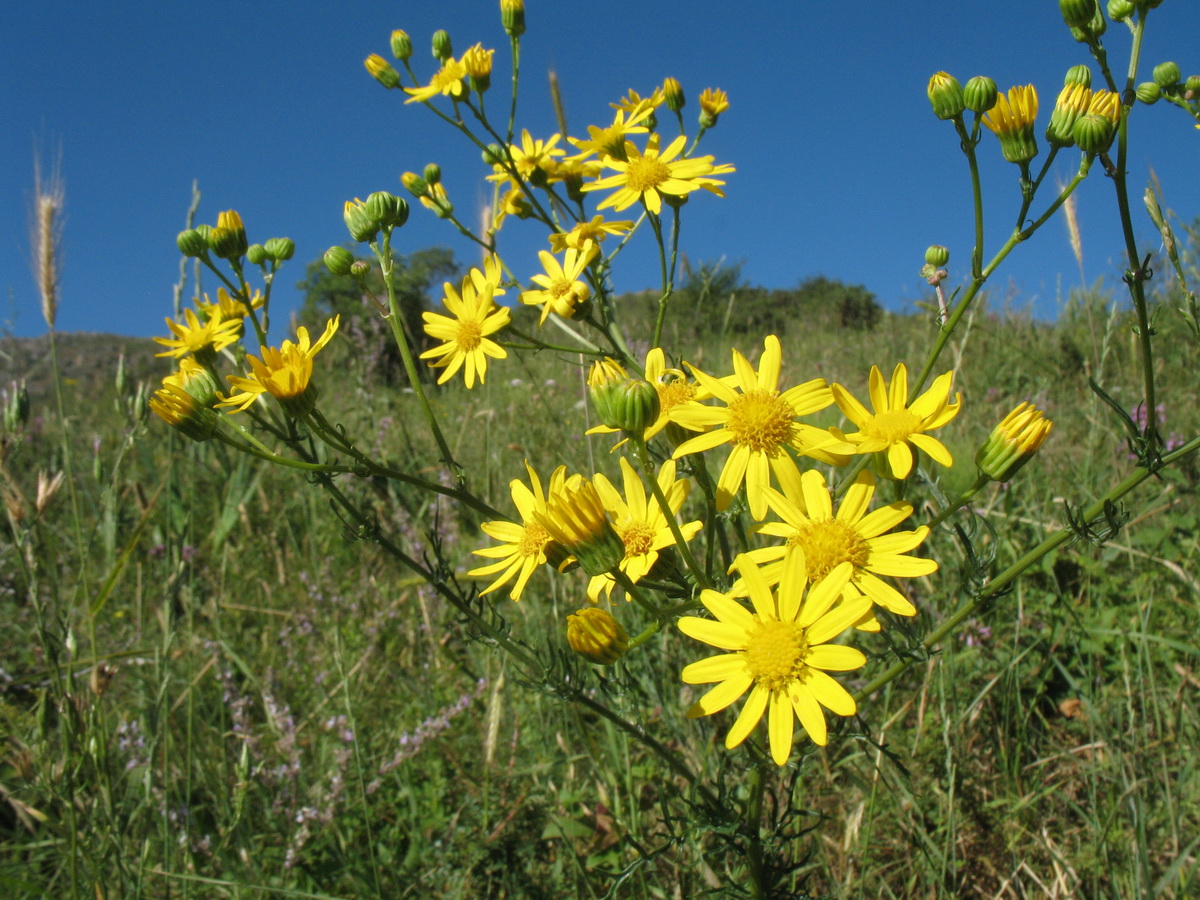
x=1119, y=10
x=946, y=95
x=360, y=223
x=191, y=243
x=1094, y=29
x=1013, y=442
x=1191, y=88
x=256, y=254
x=494, y=155
x=1167, y=74
x=338, y=260
x=382, y=71
x=673, y=94
x=597, y=636
x=232, y=222
x=442, y=49
x=387, y=210
x=512, y=15
x=433, y=173
x=402, y=47
x=1079, y=74
x=414, y=184
x=478, y=63
x=223, y=243
x=576, y=518
x=360, y=269
x=937, y=256
x=1093, y=133
x=713, y=102
x=979, y=94
x=630, y=404
x=16, y=407
x=1077, y=13
x=280, y=249
x=1148, y=92
x=1072, y=103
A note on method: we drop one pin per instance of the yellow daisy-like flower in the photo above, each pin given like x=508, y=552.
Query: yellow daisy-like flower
x=466, y=346
x=760, y=422
x=208, y=338
x=896, y=426
x=713, y=102
x=230, y=307
x=633, y=100
x=285, y=373
x=640, y=523
x=610, y=141
x=818, y=541
x=447, y=81
x=780, y=653
x=490, y=276
x=531, y=155
x=647, y=176
x=524, y=546
x=1012, y=120
x=561, y=289
x=595, y=230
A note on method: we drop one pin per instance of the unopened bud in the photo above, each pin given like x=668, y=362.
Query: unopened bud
x=673, y=94
x=338, y=260
x=361, y=225
x=1148, y=92
x=414, y=184
x=597, y=636
x=512, y=15
x=1013, y=442
x=1119, y=10
x=945, y=95
x=1167, y=74
x=402, y=47
x=256, y=254
x=382, y=71
x=1077, y=13
x=280, y=249
x=191, y=243
x=442, y=48
x=433, y=173
x=980, y=93
x=387, y=210
x=937, y=256
x=1080, y=75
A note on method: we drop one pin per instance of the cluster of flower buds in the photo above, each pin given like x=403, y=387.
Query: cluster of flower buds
x=1084, y=18
x=428, y=188
x=381, y=211
x=629, y=404
x=1169, y=82
x=227, y=240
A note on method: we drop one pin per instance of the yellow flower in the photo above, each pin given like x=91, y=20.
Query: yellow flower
x=632, y=100
x=466, y=346
x=713, y=102
x=816, y=541
x=759, y=421
x=647, y=176
x=185, y=401
x=478, y=62
x=640, y=523
x=207, y=339
x=447, y=81
x=1013, y=442
x=576, y=518
x=561, y=289
x=1012, y=120
x=531, y=155
x=524, y=546
x=284, y=373
x=229, y=307
x=595, y=230
x=610, y=141
x=780, y=653
x=896, y=427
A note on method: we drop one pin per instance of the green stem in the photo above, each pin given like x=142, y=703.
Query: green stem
x=754, y=850
x=665, y=298
x=1005, y=578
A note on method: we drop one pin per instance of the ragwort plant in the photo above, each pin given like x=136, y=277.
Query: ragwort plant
x=783, y=546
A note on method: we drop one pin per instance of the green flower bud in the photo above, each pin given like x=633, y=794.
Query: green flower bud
x=512, y=15
x=1191, y=88
x=402, y=47
x=1072, y=103
x=280, y=249
x=382, y=71
x=387, y=210
x=937, y=256
x=494, y=155
x=946, y=95
x=338, y=260
x=1077, y=13
x=442, y=49
x=360, y=269
x=1093, y=30
x=256, y=254
x=1167, y=74
x=414, y=184
x=1013, y=442
x=630, y=404
x=1119, y=10
x=597, y=636
x=224, y=243
x=1080, y=75
x=16, y=407
x=1148, y=92
x=359, y=222
x=232, y=222
x=1093, y=133
x=433, y=173
x=979, y=94
x=673, y=94
x=191, y=243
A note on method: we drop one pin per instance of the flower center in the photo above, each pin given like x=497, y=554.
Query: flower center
x=646, y=173
x=761, y=420
x=893, y=426
x=533, y=540
x=470, y=333
x=638, y=538
x=559, y=288
x=828, y=543
x=775, y=654
x=673, y=393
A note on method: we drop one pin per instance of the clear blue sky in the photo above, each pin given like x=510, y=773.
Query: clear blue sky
x=842, y=169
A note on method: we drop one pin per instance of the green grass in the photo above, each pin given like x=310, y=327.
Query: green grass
x=292, y=715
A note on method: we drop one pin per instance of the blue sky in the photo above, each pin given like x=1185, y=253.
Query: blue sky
x=842, y=169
